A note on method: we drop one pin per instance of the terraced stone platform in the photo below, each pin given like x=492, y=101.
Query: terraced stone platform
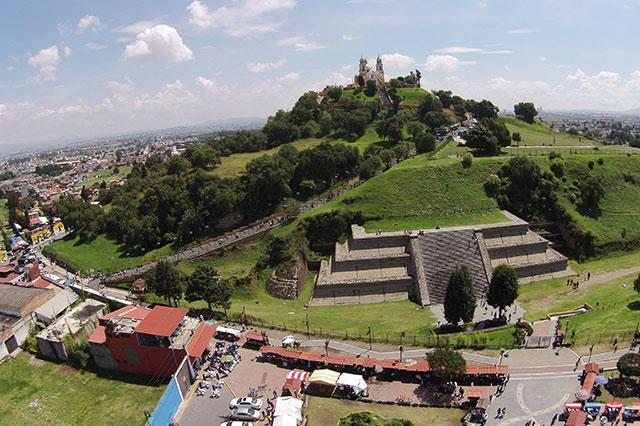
x=382, y=266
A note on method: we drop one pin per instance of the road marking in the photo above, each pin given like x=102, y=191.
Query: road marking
x=555, y=407
x=521, y=403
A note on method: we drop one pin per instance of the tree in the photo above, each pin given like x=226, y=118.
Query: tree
x=467, y=160
x=515, y=136
x=525, y=111
x=629, y=364
x=459, y=299
x=503, y=288
x=414, y=128
x=371, y=87
x=445, y=97
x=499, y=130
x=446, y=364
x=425, y=142
x=429, y=104
x=200, y=285
x=387, y=156
x=166, y=281
x=370, y=167
x=482, y=139
x=390, y=128
x=266, y=182
x=221, y=295
x=334, y=93
x=591, y=192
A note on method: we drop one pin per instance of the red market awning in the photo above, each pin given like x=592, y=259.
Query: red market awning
x=592, y=367
x=616, y=405
x=254, y=335
x=298, y=375
x=573, y=406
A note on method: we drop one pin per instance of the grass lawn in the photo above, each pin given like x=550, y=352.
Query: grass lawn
x=328, y=411
x=101, y=254
x=620, y=176
x=422, y=194
x=107, y=175
x=235, y=261
x=384, y=318
x=65, y=396
x=234, y=164
x=540, y=134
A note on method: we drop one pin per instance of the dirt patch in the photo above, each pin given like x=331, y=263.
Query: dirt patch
x=102, y=397
x=64, y=369
x=35, y=361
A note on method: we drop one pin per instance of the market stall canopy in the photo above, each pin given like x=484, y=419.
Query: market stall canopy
x=593, y=405
x=573, y=406
x=288, y=340
x=583, y=395
x=324, y=377
x=298, y=374
x=576, y=418
x=288, y=411
x=616, y=405
x=354, y=381
x=601, y=380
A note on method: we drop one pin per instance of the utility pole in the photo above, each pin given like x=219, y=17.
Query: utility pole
x=369, y=333
x=306, y=321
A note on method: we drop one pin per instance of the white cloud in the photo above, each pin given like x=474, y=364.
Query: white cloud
x=522, y=31
x=47, y=61
x=444, y=63
x=66, y=51
x=481, y=5
x=88, y=22
x=138, y=27
x=349, y=37
x=240, y=18
x=334, y=79
x=95, y=46
x=465, y=49
x=161, y=43
x=299, y=43
x=397, y=63
x=3, y=108
x=125, y=86
x=604, y=79
x=460, y=49
x=257, y=67
x=212, y=87
x=292, y=76
x=543, y=59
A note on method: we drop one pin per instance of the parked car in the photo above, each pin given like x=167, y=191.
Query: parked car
x=475, y=418
x=245, y=413
x=235, y=423
x=246, y=401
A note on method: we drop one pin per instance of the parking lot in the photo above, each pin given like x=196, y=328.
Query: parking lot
x=248, y=373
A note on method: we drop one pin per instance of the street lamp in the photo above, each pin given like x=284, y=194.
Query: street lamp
x=326, y=347
x=502, y=351
x=401, y=349
x=306, y=321
x=590, y=351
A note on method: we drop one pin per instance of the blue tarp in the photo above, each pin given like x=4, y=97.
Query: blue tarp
x=167, y=406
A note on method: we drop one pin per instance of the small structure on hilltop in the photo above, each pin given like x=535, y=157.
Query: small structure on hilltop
x=387, y=266
x=367, y=73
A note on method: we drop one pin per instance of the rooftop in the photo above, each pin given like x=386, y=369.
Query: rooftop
x=162, y=321
x=73, y=321
x=21, y=301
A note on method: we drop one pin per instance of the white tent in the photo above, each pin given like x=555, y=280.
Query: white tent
x=288, y=411
x=354, y=381
x=231, y=331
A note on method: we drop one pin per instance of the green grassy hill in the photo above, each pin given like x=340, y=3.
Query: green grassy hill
x=619, y=221
x=422, y=194
x=539, y=134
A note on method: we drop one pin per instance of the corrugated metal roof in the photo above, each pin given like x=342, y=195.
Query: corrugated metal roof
x=162, y=321
x=131, y=311
x=200, y=340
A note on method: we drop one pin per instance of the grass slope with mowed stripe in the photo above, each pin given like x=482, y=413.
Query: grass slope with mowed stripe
x=539, y=134
x=422, y=194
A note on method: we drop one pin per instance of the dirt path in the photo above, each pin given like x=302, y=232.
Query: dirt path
x=607, y=277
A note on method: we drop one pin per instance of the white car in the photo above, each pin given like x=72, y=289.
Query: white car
x=232, y=423
x=246, y=401
x=245, y=413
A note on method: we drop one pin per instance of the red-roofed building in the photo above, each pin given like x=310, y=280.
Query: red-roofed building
x=146, y=341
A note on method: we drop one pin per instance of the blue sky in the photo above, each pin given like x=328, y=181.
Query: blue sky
x=89, y=68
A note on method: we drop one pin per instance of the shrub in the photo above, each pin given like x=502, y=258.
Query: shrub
x=622, y=387
x=557, y=167
x=467, y=160
x=492, y=185
x=591, y=164
x=601, y=161
x=629, y=364
x=78, y=352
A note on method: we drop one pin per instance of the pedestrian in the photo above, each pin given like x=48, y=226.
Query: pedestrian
x=588, y=276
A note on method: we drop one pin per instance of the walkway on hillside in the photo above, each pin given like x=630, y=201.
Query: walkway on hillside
x=233, y=237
